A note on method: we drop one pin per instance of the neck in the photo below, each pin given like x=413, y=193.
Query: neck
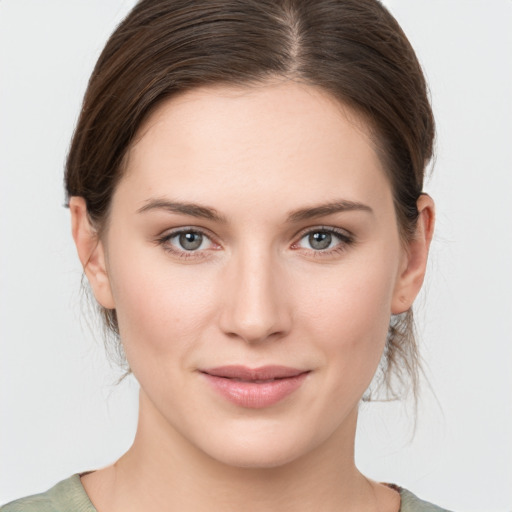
x=164, y=471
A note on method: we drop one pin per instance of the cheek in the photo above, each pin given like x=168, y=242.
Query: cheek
x=348, y=313
x=160, y=308
x=350, y=298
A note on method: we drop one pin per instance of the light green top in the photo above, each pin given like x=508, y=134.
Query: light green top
x=70, y=496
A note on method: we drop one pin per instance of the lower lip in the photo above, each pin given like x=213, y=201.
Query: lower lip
x=254, y=395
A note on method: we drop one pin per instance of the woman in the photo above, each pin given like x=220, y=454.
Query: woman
x=245, y=188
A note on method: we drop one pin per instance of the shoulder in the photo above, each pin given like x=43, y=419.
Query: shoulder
x=65, y=496
x=411, y=503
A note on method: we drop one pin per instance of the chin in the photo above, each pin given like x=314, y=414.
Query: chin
x=250, y=448
x=256, y=457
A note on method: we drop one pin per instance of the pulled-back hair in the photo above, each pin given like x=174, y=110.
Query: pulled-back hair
x=352, y=49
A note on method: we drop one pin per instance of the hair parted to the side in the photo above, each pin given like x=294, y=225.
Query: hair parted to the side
x=352, y=49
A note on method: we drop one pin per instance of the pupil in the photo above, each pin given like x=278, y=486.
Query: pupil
x=191, y=241
x=320, y=240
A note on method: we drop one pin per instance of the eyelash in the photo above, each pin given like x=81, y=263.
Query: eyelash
x=164, y=241
x=345, y=240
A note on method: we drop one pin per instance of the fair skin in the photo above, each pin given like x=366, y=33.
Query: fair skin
x=254, y=274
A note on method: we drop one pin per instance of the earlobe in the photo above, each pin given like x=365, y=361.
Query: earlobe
x=91, y=252
x=412, y=274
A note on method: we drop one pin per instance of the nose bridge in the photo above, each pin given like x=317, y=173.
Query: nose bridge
x=255, y=306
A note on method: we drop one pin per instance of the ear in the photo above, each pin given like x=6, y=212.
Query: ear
x=413, y=268
x=91, y=252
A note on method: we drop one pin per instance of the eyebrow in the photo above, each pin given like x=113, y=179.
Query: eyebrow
x=192, y=209
x=205, y=212
x=341, y=205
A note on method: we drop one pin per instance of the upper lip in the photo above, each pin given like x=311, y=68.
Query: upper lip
x=254, y=374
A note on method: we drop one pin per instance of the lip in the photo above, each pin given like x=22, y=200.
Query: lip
x=255, y=388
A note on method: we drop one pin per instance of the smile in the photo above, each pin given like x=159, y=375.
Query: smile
x=255, y=388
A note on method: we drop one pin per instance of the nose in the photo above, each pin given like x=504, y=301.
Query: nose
x=255, y=306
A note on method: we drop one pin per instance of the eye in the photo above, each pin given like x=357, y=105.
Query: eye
x=189, y=240
x=186, y=240
x=323, y=239
x=320, y=240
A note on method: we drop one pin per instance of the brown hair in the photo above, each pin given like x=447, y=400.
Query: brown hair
x=353, y=49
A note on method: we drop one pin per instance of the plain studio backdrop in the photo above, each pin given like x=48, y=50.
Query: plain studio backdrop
x=60, y=410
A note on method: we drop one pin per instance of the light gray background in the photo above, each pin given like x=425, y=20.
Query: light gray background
x=61, y=413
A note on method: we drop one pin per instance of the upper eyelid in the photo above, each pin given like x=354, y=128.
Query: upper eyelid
x=330, y=229
x=169, y=233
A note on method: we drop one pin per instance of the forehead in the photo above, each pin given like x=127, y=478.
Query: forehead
x=254, y=140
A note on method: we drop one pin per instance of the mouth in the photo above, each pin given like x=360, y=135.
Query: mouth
x=261, y=374
x=255, y=388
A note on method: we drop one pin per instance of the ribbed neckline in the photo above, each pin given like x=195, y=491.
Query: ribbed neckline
x=72, y=492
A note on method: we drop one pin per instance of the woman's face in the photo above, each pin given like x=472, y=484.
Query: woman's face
x=253, y=237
